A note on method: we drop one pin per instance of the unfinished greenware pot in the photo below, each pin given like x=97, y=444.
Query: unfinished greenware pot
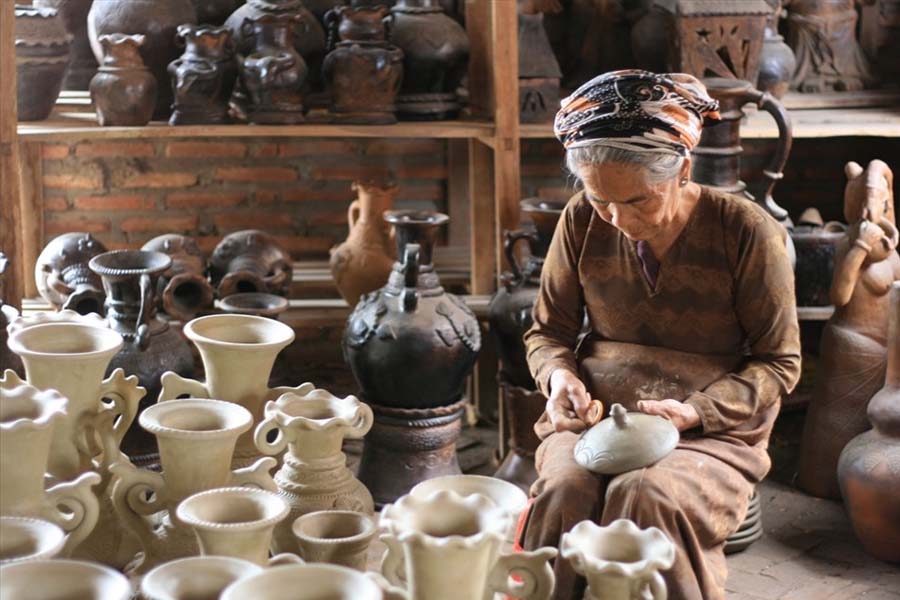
x=625, y=441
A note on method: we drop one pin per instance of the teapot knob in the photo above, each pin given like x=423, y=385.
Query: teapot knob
x=619, y=415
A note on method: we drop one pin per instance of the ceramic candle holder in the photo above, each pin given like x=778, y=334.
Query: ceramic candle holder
x=195, y=578
x=23, y=539
x=62, y=580
x=337, y=537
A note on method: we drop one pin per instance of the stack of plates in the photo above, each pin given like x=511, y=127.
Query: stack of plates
x=749, y=531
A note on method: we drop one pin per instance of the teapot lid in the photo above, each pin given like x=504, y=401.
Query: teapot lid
x=625, y=441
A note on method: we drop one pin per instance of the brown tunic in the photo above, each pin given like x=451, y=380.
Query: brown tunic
x=719, y=331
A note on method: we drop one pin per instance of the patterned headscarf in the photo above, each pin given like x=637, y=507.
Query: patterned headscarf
x=636, y=110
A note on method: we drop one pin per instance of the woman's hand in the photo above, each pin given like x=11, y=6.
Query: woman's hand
x=683, y=416
x=569, y=402
x=867, y=235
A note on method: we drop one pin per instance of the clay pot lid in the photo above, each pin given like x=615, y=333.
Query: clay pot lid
x=625, y=441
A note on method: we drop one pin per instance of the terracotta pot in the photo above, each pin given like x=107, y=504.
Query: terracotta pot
x=363, y=262
x=435, y=59
x=312, y=426
x=152, y=347
x=82, y=65
x=64, y=580
x=254, y=303
x=184, y=288
x=215, y=12
x=23, y=539
x=250, y=261
x=195, y=577
x=123, y=91
x=308, y=582
x=869, y=466
x=42, y=57
x=620, y=561
x=157, y=20
x=203, y=77
x=196, y=443
x=62, y=275
x=337, y=537
x=776, y=62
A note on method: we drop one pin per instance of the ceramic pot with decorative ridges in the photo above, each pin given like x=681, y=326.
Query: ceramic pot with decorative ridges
x=42, y=57
x=62, y=275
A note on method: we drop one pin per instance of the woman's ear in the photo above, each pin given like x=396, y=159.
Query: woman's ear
x=685, y=169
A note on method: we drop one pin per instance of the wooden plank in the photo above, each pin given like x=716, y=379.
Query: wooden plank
x=458, y=193
x=858, y=99
x=483, y=240
x=480, y=86
x=32, y=206
x=10, y=209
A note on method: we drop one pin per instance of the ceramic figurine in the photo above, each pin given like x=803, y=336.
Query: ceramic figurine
x=42, y=56
x=62, y=275
x=195, y=577
x=124, y=91
x=363, y=262
x=312, y=427
x=203, y=77
x=157, y=21
x=64, y=579
x=82, y=64
x=185, y=290
x=23, y=539
x=250, y=261
x=854, y=343
x=337, y=537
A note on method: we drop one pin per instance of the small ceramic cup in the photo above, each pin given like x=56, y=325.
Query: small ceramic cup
x=24, y=539
x=62, y=580
x=337, y=537
x=195, y=577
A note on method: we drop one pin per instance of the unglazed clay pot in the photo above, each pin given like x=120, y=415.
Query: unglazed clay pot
x=446, y=547
x=254, y=303
x=308, y=36
x=184, y=288
x=158, y=20
x=869, y=466
x=620, y=561
x=363, y=262
x=196, y=442
x=776, y=62
x=82, y=64
x=63, y=580
x=815, y=245
x=62, y=275
x=312, y=426
x=309, y=582
x=250, y=261
x=203, y=77
x=195, y=578
x=123, y=91
x=337, y=537
x=625, y=441
x=42, y=56
x=23, y=539
x=238, y=352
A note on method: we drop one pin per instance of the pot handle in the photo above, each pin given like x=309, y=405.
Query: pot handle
x=256, y=475
x=74, y=507
x=285, y=558
x=392, y=565
x=138, y=493
x=174, y=385
x=265, y=427
x=125, y=394
x=142, y=333
x=363, y=422
x=533, y=573
x=330, y=21
x=390, y=592
x=775, y=171
x=509, y=249
x=353, y=212
x=658, y=587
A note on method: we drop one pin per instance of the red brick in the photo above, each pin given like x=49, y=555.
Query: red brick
x=159, y=180
x=264, y=150
x=54, y=227
x=203, y=150
x=54, y=151
x=401, y=147
x=157, y=223
x=327, y=218
x=83, y=179
x=314, y=194
x=421, y=171
x=316, y=148
x=115, y=202
x=114, y=149
x=250, y=174
x=349, y=172
x=265, y=197
x=203, y=199
x=234, y=221
x=56, y=203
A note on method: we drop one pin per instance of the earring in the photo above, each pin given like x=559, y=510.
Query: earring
x=684, y=181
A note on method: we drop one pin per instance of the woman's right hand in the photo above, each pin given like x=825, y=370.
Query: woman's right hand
x=569, y=402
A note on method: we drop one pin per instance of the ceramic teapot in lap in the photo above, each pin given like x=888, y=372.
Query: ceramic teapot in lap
x=23, y=539
x=625, y=441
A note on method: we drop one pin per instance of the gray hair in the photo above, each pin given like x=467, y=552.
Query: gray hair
x=659, y=165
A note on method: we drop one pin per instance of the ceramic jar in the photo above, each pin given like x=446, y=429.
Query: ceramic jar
x=259, y=304
x=158, y=21
x=620, y=561
x=28, y=418
x=152, y=347
x=196, y=440
x=363, y=262
x=82, y=64
x=238, y=352
x=308, y=582
x=307, y=37
x=124, y=91
x=63, y=580
x=203, y=77
x=363, y=71
x=62, y=275
x=312, y=427
x=23, y=539
x=435, y=59
x=184, y=289
x=337, y=537
x=446, y=547
x=195, y=577
x=250, y=261
x=42, y=56
x=869, y=466
x=776, y=62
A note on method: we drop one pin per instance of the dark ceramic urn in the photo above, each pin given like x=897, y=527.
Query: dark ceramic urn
x=63, y=278
x=203, y=77
x=42, y=57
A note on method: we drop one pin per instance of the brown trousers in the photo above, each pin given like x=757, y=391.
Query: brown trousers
x=695, y=498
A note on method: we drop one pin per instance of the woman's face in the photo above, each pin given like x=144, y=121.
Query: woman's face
x=622, y=197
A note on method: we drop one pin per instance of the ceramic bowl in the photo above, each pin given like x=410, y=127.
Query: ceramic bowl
x=24, y=539
x=62, y=580
x=195, y=578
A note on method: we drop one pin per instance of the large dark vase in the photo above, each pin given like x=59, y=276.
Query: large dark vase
x=215, y=12
x=204, y=76
x=42, y=56
x=8, y=358
x=63, y=278
x=158, y=21
x=82, y=65
x=363, y=71
x=151, y=347
x=435, y=59
x=815, y=243
x=411, y=346
x=123, y=91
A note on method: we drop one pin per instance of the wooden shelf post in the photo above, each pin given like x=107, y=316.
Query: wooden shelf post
x=10, y=207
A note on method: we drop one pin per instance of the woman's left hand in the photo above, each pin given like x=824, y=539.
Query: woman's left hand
x=683, y=416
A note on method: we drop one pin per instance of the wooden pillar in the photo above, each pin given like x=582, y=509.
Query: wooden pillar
x=10, y=209
x=31, y=195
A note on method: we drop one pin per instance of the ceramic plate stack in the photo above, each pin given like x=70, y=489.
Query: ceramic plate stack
x=749, y=531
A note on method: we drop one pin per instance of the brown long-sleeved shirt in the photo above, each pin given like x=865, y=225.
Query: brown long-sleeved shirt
x=725, y=287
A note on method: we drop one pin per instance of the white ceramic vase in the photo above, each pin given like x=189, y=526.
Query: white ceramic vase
x=196, y=439
x=446, y=547
x=314, y=476
x=238, y=352
x=195, y=578
x=23, y=539
x=620, y=561
x=62, y=580
x=337, y=537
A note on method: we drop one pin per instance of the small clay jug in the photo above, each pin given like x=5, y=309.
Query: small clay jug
x=124, y=91
x=62, y=275
x=363, y=262
x=195, y=577
x=203, y=77
x=23, y=539
x=82, y=64
x=63, y=580
x=184, y=289
x=337, y=537
x=42, y=56
x=776, y=62
x=869, y=466
x=250, y=261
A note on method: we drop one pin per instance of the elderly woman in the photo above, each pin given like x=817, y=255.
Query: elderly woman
x=689, y=299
